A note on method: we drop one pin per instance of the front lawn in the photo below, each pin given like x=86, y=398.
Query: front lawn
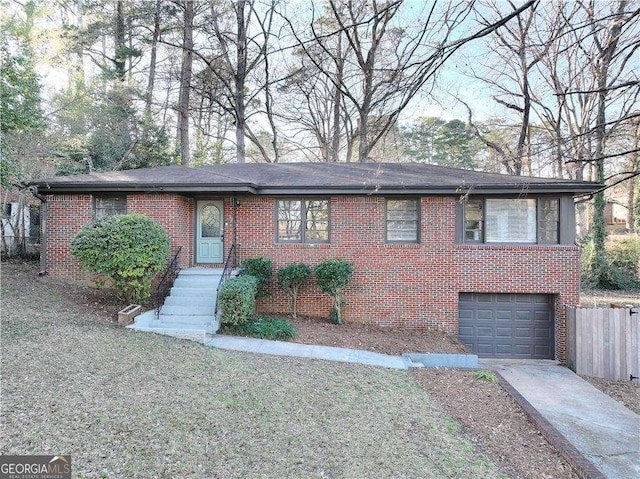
x=130, y=404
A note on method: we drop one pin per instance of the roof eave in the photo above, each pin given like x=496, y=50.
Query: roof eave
x=566, y=188
x=58, y=188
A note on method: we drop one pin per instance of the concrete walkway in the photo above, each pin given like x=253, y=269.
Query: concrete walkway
x=591, y=425
x=281, y=348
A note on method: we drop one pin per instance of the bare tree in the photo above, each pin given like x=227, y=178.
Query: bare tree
x=238, y=59
x=391, y=63
x=182, y=137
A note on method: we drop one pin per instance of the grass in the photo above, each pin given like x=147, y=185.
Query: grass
x=130, y=404
x=486, y=376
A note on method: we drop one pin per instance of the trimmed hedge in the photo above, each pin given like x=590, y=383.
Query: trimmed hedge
x=291, y=278
x=268, y=328
x=332, y=276
x=128, y=249
x=259, y=268
x=237, y=300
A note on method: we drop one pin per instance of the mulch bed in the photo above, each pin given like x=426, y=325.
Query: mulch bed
x=394, y=341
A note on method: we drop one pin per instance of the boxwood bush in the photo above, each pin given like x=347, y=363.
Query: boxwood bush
x=127, y=249
x=333, y=276
x=237, y=300
x=291, y=278
x=267, y=328
x=260, y=268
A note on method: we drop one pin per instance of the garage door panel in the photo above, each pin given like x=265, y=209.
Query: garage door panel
x=541, y=333
x=485, y=349
x=521, y=315
x=466, y=331
x=484, y=332
x=484, y=298
x=503, y=332
x=504, y=349
x=507, y=325
x=502, y=298
x=523, y=332
x=542, y=298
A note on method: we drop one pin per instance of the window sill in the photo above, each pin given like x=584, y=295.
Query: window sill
x=305, y=245
x=402, y=245
x=515, y=246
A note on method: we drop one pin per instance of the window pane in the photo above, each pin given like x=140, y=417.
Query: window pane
x=548, y=220
x=511, y=221
x=473, y=221
x=210, y=217
x=289, y=220
x=110, y=206
x=317, y=229
x=402, y=220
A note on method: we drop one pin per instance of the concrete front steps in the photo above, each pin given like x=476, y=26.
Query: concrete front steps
x=189, y=310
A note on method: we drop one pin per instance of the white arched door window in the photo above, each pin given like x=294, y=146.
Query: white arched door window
x=209, y=237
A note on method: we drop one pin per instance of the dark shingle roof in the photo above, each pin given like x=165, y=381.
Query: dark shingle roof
x=310, y=178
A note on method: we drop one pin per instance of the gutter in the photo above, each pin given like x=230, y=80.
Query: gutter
x=43, y=232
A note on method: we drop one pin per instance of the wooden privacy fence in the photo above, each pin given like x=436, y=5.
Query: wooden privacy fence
x=604, y=342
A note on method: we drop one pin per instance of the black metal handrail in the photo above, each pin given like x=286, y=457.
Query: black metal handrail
x=229, y=265
x=165, y=284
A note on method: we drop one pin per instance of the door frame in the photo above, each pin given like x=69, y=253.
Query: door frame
x=198, y=203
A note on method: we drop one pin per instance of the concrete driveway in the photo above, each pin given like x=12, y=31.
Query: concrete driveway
x=596, y=433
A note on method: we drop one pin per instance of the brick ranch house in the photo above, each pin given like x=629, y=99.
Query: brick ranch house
x=489, y=257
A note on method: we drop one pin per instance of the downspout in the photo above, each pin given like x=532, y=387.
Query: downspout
x=43, y=232
x=235, y=230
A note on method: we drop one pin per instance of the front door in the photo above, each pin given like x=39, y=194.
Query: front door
x=209, y=232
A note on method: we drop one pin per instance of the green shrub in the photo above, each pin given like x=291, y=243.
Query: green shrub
x=237, y=300
x=259, y=268
x=269, y=328
x=291, y=278
x=128, y=249
x=617, y=270
x=486, y=376
x=332, y=276
x=624, y=254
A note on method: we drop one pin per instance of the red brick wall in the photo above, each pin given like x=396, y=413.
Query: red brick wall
x=413, y=285
x=174, y=213
x=67, y=214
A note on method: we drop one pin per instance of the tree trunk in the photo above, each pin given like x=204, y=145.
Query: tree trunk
x=120, y=43
x=337, y=97
x=599, y=231
x=152, y=63
x=634, y=184
x=240, y=77
x=182, y=140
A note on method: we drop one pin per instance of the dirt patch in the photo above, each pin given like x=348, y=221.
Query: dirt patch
x=495, y=423
x=373, y=338
x=625, y=392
